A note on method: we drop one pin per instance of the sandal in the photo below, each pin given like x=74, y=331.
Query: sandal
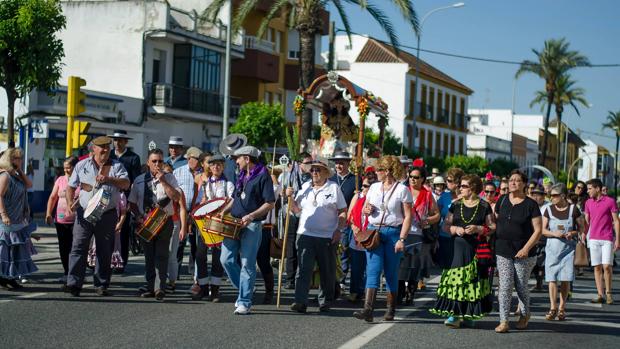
x=562, y=315
x=551, y=314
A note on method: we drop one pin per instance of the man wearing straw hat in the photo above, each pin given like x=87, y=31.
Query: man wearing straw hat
x=176, y=149
x=132, y=164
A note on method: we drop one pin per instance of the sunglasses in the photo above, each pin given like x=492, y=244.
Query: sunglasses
x=380, y=169
x=490, y=191
x=465, y=186
x=415, y=177
x=554, y=195
x=450, y=180
x=503, y=189
x=365, y=185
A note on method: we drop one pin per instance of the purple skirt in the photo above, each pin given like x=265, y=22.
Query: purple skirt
x=16, y=250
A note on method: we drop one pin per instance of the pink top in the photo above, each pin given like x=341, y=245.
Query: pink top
x=61, y=205
x=601, y=223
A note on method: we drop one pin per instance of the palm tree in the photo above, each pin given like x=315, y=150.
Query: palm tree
x=553, y=61
x=613, y=123
x=565, y=94
x=304, y=16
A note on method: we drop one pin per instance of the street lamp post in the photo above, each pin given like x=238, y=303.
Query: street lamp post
x=417, y=60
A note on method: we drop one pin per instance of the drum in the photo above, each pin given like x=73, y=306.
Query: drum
x=228, y=226
x=97, y=206
x=153, y=223
x=199, y=214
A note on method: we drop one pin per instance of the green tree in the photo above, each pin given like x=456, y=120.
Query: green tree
x=613, y=123
x=474, y=165
x=502, y=167
x=305, y=17
x=565, y=94
x=30, y=51
x=261, y=123
x=553, y=61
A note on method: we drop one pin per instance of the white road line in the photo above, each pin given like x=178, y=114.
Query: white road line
x=581, y=322
x=376, y=330
x=32, y=295
x=5, y=301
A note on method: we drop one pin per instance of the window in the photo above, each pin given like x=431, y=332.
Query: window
x=277, y=98
x=431, y=104
x=447, y=107
x=410, y=136
x=452, y=145
x=411, y=97
x=197, y=67
x=422, y=140
x=438, y=144
x=453, y=111
x=423, y=114
x=292, y=54
x=445, y=145
x=429, y=146
x=461, y=146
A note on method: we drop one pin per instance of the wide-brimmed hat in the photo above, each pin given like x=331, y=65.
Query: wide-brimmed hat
x=322, y=165
x=193, y=152
x=341, y=155
x=248, y=150
x=439, y=180
x=435, y=171
x=119, y=134
x=174, y=140
x=215, y=158
x=232, y=142
x=102, y=140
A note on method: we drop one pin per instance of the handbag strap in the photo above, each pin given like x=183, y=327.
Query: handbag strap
x=387, y=201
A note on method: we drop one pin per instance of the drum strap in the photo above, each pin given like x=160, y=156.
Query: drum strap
x=150, y=196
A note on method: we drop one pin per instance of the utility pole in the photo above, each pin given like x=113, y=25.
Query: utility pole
x=226, y=112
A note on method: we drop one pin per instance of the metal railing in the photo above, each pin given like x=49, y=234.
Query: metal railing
x=191, y=99
x=252, y=42
x=460, y=120
x=443, y=117
x=190, y=21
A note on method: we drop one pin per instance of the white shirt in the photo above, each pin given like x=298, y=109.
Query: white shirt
x=136, y=195
x=216, y=190
x=271, y=216
x=320, y=220
x=379, y=198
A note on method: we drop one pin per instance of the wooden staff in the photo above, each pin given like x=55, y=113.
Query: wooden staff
x=360, y=150
x=286, y=223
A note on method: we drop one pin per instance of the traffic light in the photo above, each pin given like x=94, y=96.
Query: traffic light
x=75, y=97
x=79, y=137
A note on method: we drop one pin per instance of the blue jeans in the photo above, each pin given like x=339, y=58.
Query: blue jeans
x=384, y=259
x=244, y=276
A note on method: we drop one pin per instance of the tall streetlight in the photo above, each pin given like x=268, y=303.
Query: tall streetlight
x=417, y=60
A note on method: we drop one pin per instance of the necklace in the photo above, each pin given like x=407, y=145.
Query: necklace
x=315, y=203
x=467, y=221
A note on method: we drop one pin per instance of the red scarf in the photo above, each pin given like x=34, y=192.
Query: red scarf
x=420, y=201
x=356, y=214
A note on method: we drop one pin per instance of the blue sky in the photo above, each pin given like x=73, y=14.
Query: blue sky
x=508, y=30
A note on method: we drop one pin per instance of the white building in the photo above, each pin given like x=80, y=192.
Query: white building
x=488, y=147
x=596, y=162
x=441, y=100
x=151, y=67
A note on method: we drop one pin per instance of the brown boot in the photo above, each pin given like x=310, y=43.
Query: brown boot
x=391, y=307
x=366, y=313
x=215, y=294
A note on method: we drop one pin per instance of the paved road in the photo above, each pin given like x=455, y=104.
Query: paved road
x=43, y=317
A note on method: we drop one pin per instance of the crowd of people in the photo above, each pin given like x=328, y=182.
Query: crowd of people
x=390, y=225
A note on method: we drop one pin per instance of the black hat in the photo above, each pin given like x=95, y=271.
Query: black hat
x=340, y=155
x=119, y=134
x=232, y=142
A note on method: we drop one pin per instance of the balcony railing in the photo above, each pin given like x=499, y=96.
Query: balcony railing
x=443, y=117
x=190, y=99
x=252, y=42
x=190, y=21
x=460, y=120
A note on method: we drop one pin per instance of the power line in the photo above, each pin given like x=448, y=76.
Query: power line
x=480, y=59
x=594, y=134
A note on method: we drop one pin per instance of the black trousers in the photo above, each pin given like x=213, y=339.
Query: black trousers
x=202, y=266
x=291, y=249
x=65, y=240
x=263, y=258
x=181, y=250
x=126, y=232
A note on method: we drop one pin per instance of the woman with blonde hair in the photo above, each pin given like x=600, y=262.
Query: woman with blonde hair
x=15, y=227
x=388, y=206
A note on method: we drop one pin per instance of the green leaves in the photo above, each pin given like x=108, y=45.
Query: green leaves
x=261, y=123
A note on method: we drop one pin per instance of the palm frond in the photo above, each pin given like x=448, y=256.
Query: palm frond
x=343, y=17
x=382, y=19
x=409, y=14
x=273, y=11
x=242, y=12
x=212, y=11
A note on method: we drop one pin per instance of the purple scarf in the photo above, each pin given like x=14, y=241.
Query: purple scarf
x=255, y=172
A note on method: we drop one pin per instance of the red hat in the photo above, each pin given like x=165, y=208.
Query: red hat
x=419, y=162
x=369, y=169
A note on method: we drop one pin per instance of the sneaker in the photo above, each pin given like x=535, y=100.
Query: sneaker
x=103, y=292
x=298, y=307
x=242, y=310
x=610, y=300
x=453, y=322
x=147, y=294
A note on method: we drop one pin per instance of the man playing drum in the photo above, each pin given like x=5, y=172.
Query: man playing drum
x=155, y=189
x=98, y=176
x=253, y=199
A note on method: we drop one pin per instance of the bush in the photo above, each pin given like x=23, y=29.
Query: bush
x=261, y=123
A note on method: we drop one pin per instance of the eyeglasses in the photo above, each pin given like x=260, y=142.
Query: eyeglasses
x=315, y=170
x=555, y=195
x=490, y=191
x=465, y=186
x=157, y=161
x=380, y=169
x=415, y=177
x=365, y=185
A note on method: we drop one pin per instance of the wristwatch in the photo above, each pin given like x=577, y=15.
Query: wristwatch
x=401, y=240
